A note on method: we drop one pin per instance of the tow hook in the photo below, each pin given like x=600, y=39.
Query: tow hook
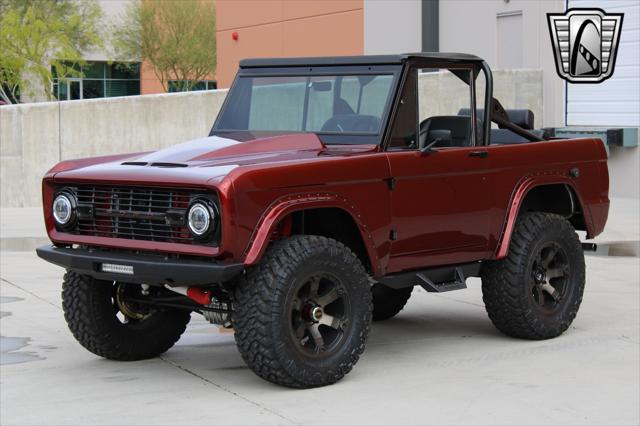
x=589, y=247
x=197, y=294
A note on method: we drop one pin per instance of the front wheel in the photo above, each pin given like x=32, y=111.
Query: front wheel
x=535, y=292
x=302, y=316
x=104, y=320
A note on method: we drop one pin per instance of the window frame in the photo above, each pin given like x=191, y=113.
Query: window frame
x=415, y=66
x=331, y=138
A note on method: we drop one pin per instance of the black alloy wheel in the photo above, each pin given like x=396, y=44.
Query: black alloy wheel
x=319, y=314
x=550, y=276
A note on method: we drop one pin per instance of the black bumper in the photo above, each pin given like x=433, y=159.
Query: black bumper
x=147, y=269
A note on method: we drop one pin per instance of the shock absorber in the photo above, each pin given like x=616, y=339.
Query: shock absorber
x=206, y=298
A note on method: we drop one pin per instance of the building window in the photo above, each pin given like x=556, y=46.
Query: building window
x=181, y=85
x=98, y=80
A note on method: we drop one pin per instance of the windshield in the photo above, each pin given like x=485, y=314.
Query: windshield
x=327, y=104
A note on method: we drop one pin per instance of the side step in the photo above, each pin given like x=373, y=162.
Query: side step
x=456, y=283
x=435, y=280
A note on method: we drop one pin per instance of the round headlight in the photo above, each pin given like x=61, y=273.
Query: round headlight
x=62, y=209
x=199, y=219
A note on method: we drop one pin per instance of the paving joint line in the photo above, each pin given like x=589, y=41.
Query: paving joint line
x=453, y=299
x=31, y=293
x=224, y=389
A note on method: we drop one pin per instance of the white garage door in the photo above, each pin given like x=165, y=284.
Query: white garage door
x=614, y=102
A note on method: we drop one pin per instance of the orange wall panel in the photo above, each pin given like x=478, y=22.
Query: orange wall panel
x=280, y=28
x=339, y=34
x=306, y=8
x=232, y=14
x=149, y=83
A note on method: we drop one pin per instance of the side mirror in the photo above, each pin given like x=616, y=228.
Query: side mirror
x=441, y=137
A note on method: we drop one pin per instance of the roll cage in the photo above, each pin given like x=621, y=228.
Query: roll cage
x=397, y=65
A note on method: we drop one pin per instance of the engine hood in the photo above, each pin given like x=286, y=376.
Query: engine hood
x=198, y=161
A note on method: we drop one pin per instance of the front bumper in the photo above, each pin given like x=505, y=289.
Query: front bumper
x=147, y=269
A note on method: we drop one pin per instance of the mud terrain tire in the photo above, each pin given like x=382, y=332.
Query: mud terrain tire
x=304, y=287
x=89, y=311
x=535, y=292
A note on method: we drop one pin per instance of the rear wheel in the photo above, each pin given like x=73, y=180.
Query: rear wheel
x=388, y=302
x=302, y=315
x=104, y=320
x=535, y=292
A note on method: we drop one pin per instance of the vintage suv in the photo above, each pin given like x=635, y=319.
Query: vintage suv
x=327, y=189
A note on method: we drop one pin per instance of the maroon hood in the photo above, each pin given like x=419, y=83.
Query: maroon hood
x=200, y=160
x=218, y=150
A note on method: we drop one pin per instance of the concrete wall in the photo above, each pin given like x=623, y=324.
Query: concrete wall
x=624, y=172
x=34, y=137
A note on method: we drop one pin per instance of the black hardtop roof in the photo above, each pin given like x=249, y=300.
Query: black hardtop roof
x=358, y=60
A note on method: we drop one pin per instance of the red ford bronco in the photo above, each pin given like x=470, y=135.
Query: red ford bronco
x=327, y=189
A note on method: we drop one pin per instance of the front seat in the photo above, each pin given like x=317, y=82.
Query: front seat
x=459, y=126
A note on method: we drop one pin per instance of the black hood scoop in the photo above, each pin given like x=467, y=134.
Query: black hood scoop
x=168, y=165
x=156, y=164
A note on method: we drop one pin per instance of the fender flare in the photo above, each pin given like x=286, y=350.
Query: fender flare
x=284, y=206
x=523, y=187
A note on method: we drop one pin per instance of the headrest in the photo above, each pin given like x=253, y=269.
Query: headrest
x=520, y=117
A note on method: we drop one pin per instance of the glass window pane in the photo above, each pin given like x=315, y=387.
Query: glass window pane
x=405, y=123
x=66, y=69
x=276, y=103
x=177, y=86
x=124, y=71
x=92, y=89
x=374, y=95
x=320, y=108
x=122, y=88
x=93, y=70
x=74, y=89
x=350, y=91
x=62, y=91
x=200, y=85
x=280, y=103
x=444, y=102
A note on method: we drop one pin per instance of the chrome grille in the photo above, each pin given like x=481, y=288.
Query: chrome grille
x=133, y=213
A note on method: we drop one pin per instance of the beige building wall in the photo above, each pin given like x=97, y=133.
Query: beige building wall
x=274, y=28
x=489, y=29
x=392, y=26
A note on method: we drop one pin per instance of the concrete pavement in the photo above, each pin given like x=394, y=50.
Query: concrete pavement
x=439, y=362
